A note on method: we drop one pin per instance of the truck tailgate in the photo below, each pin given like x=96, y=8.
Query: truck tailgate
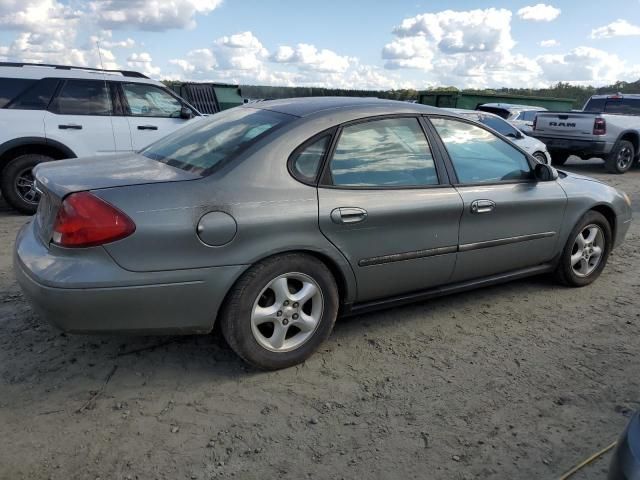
x=566, y=125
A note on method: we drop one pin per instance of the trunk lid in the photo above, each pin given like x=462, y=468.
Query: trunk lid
x=56, y=180
x=566, y=125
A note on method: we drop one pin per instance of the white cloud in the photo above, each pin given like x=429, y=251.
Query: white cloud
x=307, y=56
x=539, y=13
x=585, y=65
x=549, y=43
x=619, y=28
x=143, y=61
x=157, y=15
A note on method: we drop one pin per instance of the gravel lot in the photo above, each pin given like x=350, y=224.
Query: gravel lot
x=515, y=381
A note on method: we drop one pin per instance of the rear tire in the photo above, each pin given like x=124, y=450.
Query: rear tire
x=583, y=259
x=559, y=159
x=17, y=184
x=620, y=159
x=265, y=325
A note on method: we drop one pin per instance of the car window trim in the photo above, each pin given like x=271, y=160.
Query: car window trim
x=127, y=108
x=310, y=141
x=326, y=180
x=455, y=180
x=60, y=88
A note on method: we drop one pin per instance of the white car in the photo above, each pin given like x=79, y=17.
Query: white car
x=520, y=116
x=532, y=146
x=51, y=112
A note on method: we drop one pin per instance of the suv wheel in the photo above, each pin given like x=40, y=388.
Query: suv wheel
x=586, y=252
x=280, y=311
x=621, y=157
x=18, y=185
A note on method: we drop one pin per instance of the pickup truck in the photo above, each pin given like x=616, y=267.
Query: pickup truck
x=607, y=127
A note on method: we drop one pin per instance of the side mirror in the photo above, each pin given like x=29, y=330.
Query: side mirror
x=186, y=113
x=545, y=173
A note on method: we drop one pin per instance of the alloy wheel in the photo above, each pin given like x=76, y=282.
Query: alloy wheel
x=625, y=158
x=587, y=250
x=25, y=186
x=287, y=312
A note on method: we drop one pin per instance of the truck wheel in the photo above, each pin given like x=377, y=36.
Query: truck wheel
x=18, y=185
x=559, y=159
x=621, y=157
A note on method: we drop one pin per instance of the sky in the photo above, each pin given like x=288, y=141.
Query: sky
x=341, y=44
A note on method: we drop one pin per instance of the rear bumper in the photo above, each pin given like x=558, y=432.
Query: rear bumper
x=92, y=294
x=582, y=148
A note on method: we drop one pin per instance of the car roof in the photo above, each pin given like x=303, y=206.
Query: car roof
x=514, y=107
x=39, y=71
x=307, y=106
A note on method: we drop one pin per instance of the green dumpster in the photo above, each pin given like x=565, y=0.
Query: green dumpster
x=471, y=101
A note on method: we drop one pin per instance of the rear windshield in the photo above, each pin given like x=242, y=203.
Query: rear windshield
x=498, y=125
x=200, y=147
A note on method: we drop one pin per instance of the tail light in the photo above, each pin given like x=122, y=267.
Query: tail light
x=85, y=220
x=599, y=126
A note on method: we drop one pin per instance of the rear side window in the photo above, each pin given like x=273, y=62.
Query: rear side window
x=83, y=97
x=37, y=97
x=624, y=106
x=527, y=116
x=306, y=161
x=201, y=146
x=479, y=156
x=10, y=88
x=383, y=153
x=499, y=125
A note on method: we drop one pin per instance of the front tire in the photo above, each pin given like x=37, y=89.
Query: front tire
x=620, y=159
x=280, y=311
x=18, y=184
x=586, y=252
x=541, y=157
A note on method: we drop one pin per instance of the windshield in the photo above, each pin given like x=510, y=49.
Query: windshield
x=200, y=147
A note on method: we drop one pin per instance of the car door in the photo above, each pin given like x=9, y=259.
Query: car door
x=385, y=203
x=80, y=117
x=510, y=220
x=152, y=113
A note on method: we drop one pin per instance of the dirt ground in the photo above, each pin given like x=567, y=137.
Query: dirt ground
x=515, y=381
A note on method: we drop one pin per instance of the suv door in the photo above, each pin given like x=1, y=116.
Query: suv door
x=152, y=113
x=510, y=220
x=80, y=117
x=385, y=203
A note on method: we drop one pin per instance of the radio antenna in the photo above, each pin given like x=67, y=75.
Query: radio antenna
x=109, y=96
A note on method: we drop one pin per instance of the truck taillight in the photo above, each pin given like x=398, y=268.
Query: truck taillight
x=85, y=220
x=599, y=126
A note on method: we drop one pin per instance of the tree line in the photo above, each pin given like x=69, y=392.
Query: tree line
x=578, y=93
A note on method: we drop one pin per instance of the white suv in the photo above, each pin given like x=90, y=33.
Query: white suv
x=51, y=112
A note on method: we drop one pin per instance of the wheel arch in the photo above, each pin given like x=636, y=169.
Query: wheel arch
x=631, y=136
x=25, y=145
x=610, y=215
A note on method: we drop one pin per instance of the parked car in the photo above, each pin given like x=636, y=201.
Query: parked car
x=271, y=218
x=532, y=146
x=51, y=112
x=608, y=128
x=625, y=463
x=520, y=116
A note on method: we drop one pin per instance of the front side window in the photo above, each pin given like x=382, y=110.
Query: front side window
x=307, y=160
x=10, y=88
x=83, y=97
x=529, y=115
x=479, y=156
x=202, y=145
x=150, y=101
x=383, y=153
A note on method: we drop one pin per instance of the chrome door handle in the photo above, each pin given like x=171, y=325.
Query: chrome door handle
x=70, y=126
x=147, y=127
x=482, y=206
x=348, y=215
